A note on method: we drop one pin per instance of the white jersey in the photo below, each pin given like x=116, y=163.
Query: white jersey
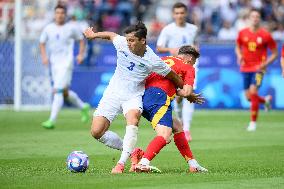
x=59, y=40
x=128, y=80
x=173, y=36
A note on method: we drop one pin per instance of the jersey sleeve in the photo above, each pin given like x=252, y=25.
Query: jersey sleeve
x=271, y=42
x=162, y=39
x=189, y=76
x=282, y=53
x=43, y=37
x=119, y=42
x=160, y=67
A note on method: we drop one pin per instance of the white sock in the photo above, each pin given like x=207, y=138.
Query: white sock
x=75, y=100
x=129, y=142
x=144, y=161
x=187, y=111
x=112, y=140
x=57, y=104
x=193, y=163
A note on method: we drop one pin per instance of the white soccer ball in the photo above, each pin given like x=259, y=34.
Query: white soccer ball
x=77, y=161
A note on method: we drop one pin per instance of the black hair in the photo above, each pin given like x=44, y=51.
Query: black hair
x=59, y=6
x=179, y=5
x=189, y=50
x=139, y=28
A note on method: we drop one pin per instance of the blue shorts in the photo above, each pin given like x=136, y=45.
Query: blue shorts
x=157, y=107
x=252, y=78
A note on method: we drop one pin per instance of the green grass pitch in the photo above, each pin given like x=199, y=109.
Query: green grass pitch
x=32, y=157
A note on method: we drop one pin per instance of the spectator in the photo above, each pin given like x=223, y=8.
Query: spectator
x=227, y=32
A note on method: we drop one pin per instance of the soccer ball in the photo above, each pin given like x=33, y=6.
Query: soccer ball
x=77, y=161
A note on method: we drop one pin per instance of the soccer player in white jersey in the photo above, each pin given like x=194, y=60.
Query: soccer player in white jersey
x=56, y=47
x=172, y=37
x=135, y=61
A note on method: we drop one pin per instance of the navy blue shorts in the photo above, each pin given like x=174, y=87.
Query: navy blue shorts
x=157, y=107
x=252, y=78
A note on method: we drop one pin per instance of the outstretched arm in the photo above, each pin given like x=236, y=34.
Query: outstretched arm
x=90, y=34
x=175, y=78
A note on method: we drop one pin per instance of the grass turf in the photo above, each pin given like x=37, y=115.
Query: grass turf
x=32, y=157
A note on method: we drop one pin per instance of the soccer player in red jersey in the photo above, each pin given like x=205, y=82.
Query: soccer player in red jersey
x=157, y=109
x=282, y=60
x=251, y=50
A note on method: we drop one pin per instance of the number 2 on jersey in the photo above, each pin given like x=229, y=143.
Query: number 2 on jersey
x=170, y=62
x=131, y=66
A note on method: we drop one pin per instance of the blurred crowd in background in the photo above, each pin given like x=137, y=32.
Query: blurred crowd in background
x=216, y=19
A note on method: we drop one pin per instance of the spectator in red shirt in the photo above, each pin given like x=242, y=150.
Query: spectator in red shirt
x=251, y=50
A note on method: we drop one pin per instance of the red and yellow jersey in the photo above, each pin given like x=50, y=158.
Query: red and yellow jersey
x=185, y=71
x=254, y=46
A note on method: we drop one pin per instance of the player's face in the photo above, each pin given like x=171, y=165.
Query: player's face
x=179, y=15
x=135, y=45
x=254, y=18
x=189, y=59
x=60, y=16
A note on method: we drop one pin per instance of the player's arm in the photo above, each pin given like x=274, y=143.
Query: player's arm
x=162, y=41
x=238, y=52
x=43, y=53
x=186, y=91
x=270, y=59
x=172, y=51
x=80, y=56
x=90, y=34
x=175, y=78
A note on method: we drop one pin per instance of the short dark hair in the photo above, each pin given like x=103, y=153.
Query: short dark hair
x=59, y=6
x=179, y=5
x=139, y=28
x=189, y=50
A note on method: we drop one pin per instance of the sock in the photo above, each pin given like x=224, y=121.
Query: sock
x=75, y=100
x=187, y=111
x=129, y=142
x=112, y=140
x=254, y=107
x=57, y=104
x=154, y=147
x=183, y=146
x=144, y=161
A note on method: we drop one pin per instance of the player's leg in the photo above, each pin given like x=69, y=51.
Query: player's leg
x=56, y=106
x=187, y=112
x=184, y=148
x=154, y=147
x=73, y=98
x=158, y=110
x=132, y=110
x=255, y=99
x=107, y=110
x=58, y=99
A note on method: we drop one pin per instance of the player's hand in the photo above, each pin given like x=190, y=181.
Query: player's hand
x=45, y=60
x=80, y=58
x=262, y=67
x=89, y=33
x=174, y=51
x=196, y=98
